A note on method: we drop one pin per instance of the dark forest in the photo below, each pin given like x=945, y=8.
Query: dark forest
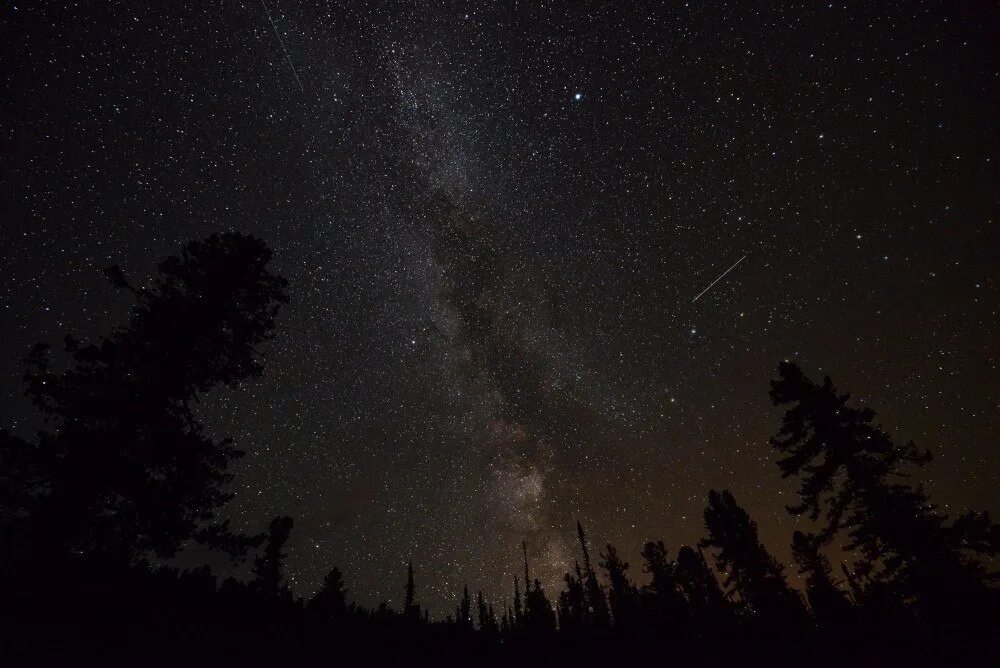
x=123, y=475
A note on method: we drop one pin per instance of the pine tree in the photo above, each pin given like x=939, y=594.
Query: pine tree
x=331, y=599
x=623, y=594
x=662, y=585
x=829, y=604
x=268, y=567
x=481, y=610
x=572, y=606
x=516, y=620
x=596, y=604
x=410, y=608
x=667, y=598
x=539, y=618
x=750, y=569
x=464, y=614
x=123, y=470
x=527, y=580
x=848, y=467
x=704, y=598
x=491, y=620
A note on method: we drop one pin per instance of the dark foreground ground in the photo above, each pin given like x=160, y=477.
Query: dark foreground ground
x=93, y=619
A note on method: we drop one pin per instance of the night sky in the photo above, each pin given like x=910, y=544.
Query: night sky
x=495, y=219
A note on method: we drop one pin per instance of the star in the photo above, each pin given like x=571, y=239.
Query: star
x=559, y=251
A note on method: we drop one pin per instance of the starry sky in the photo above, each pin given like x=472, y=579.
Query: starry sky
x=495, y=219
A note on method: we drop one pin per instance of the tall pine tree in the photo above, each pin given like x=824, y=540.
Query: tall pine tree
x=268, y=568
x=597, y=613
x=751, y=571
x=330, y=600
x=622, y=594
x=410, y=608
x=830, y=605
x=123, y=469
x=850, y=470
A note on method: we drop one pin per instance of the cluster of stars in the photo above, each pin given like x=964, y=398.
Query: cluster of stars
x=494, y=223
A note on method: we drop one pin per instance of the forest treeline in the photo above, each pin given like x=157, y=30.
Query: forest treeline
x=122, y=476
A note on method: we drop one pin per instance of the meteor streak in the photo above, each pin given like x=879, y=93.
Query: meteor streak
x=282, y=43
x=718, y=279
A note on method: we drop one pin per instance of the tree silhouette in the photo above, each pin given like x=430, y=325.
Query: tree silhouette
x=622, y=594
x=750, y=569
x=410, y=608
x=518, y=613
x=490, y=624
x=122, y=468
x=539, y=618
x=829, y=604
x=486, y=618
x=480, y=610
x=571, y=608
x=847, y=466
x=705, y=599
x=596, y=606
x=662, y=595
x=123, y=472
x=463, y=613
x=527, y=577
x=269, y=567
x=331, y=599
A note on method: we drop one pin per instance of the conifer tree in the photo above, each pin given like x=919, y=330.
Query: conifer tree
x=750, y=569
x=410, y=608
x=269, y=567
x=622, y=593
x=527, y=579
x=571, y=606
x=662, y=586
x=704, y=597
x=562, y=613
x=518, y=612
x=331, y=599
x=492, y=626
x=596, y=604
x=464, y=613
x=539, y=618
x=123, y=470
x=663, y=597
x=829, y=604
x=481, y=610
x=849, y=468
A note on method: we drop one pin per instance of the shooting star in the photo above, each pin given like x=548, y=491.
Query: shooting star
x=282, y=43
x=718, y=279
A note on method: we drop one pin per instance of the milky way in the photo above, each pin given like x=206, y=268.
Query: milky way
x=494, y=220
